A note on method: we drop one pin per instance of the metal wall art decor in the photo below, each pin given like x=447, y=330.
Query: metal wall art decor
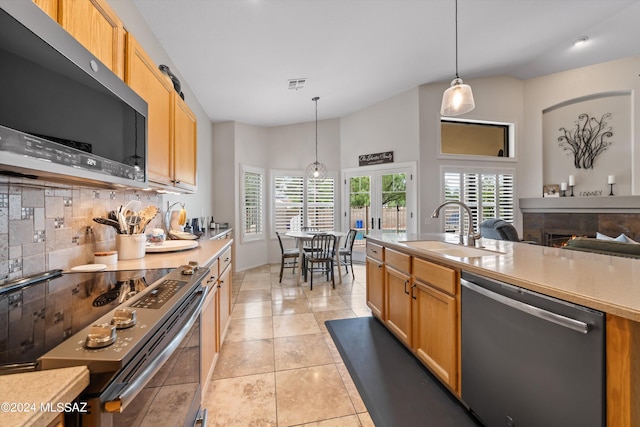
x=587, y=140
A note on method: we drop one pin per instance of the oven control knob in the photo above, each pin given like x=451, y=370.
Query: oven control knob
x=194, y=264
x=124, y=318
x=187, y=270
x=101, y=336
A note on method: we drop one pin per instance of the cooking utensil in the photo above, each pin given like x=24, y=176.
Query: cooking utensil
x=146, y=215
x=109, y=222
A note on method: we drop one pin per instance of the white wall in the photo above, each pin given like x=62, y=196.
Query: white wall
x=251, y=149
x=497, y=99
x=547, y=91
x=390, y=125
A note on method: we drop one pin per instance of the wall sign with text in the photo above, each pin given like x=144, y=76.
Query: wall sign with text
x=375, y=159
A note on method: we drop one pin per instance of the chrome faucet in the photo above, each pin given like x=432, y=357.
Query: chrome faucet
x=472, y=236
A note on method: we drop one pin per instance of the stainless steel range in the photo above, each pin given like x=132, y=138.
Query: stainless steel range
x=143, y=356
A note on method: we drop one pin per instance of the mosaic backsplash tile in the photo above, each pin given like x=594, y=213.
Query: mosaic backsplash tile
x=51, y=226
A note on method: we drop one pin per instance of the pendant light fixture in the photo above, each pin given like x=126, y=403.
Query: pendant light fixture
x=316, y=170
x=458, y=98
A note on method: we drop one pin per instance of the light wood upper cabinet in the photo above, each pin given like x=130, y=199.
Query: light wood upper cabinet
x=96, y=26
x=185, y=145
x=171, y=125
x=144, y=77
x=50, y=7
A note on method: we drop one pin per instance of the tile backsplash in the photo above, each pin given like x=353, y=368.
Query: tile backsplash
x=47, y=227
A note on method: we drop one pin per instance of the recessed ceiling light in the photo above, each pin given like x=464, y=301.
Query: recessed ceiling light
x=580, y=41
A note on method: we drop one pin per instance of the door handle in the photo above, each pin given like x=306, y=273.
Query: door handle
x=372, y=222
x=540, y=313
x=412, y=288
x=406, y=282
x=379, y=228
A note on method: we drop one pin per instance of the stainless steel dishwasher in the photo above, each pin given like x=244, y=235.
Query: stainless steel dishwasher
x=529, y=360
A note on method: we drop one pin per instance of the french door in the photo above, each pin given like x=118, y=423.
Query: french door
x=379, y=198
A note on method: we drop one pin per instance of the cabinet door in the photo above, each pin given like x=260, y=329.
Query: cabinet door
x=224, y=299
x=375, y=287
x=50, y=7
x=398, y=303
x=185, y=145
x=209, y=338
x=435, y=336
x=96, y=26
x=144, y=77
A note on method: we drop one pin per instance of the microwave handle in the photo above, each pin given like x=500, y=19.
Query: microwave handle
x=125, y=397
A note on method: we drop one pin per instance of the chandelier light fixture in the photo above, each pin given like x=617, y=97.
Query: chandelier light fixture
x=316, y=170
x=458, y=98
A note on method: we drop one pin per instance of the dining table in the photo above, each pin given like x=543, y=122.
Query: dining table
x=305, y=236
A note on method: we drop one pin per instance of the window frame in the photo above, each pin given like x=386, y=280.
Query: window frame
x=478, y=207
x=275, y=173
x=511, y=135
x=260, y=233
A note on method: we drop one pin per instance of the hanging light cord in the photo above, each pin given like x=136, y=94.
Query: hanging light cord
x=316, y=101
x=457, y=77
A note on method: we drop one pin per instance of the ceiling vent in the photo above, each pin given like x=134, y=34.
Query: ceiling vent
x=296, y=84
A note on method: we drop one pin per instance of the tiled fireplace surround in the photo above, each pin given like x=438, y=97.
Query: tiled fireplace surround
x=549, y=222
x=51, y=227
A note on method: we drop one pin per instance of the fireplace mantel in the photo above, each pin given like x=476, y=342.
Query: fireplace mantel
x=604, y=204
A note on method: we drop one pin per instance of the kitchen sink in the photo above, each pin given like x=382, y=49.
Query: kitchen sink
x=451, y=249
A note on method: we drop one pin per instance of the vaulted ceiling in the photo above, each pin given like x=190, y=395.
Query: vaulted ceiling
x=238, y=55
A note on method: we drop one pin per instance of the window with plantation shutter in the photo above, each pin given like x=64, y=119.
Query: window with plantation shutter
x=320, y=203
x=300, y=202
x=488, y=193
x=252, y=203
x=289, y=202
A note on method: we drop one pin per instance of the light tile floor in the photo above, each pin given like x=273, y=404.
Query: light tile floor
x=278, y=365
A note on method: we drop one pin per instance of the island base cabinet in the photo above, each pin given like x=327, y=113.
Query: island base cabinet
x=623, y=372
x=375, y=287
x=398, y=304
x=435, y=332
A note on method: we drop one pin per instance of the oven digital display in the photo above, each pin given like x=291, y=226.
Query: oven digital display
x=160, y=295
x=90, y=162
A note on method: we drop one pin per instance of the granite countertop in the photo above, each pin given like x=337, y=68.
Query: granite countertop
x=606, y=283
x=206, y=251
x=36, y=398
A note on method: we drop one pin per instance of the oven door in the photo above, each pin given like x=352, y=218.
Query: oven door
x=166, y=389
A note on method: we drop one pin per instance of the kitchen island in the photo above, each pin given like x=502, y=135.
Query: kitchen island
x=608, y=284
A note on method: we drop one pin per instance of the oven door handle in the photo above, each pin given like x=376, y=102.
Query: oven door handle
x=125, y=397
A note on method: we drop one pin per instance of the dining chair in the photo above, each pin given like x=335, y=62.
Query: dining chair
x=289, y=257
x=321, y=253
x=347, y=251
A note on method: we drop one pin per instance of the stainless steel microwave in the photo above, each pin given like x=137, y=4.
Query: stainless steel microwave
x=64, y=116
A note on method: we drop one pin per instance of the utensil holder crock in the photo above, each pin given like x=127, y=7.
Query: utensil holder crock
x=130, y=246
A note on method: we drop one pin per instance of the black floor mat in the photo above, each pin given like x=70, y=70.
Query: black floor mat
x=397, y=390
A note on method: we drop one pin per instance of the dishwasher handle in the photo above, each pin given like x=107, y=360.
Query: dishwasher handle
x=549, y=316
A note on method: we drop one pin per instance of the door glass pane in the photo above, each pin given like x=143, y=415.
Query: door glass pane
x=394, y=203
x=359, y=208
